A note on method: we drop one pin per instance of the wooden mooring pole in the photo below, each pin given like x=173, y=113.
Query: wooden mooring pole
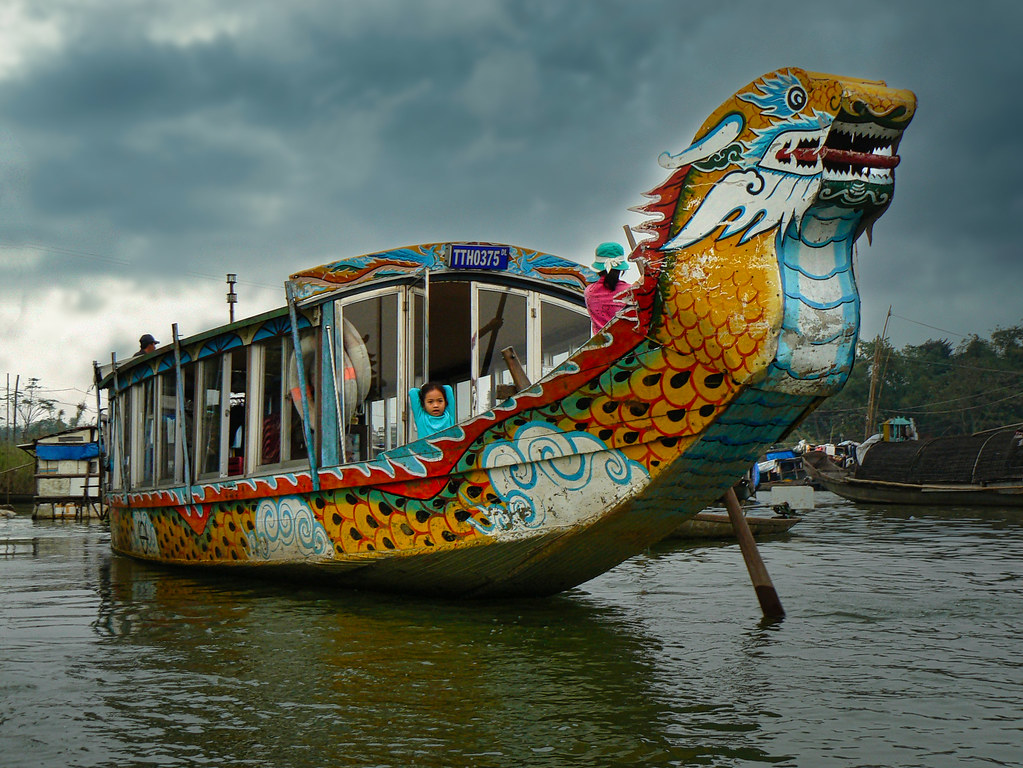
x=766, y=594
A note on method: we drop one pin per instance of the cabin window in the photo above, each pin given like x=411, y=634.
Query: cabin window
x=150, y=424
x=125, y=436
x=450, y=342
x=168, y=431
x=500, y=323
x=378, y=425
x=223, y=397
x=563, y=329
x=128, y=400
x=211, y=406
x=272, y=358
x=418, y=340
x=237, y=399
x=280, y=426
x=115, y=438
x=294, y=444
x=186, y=434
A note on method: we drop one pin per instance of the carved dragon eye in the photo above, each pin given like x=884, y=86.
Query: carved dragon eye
x=796, y=98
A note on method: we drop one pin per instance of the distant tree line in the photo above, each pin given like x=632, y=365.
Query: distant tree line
x=27, y=414
x=945, y=389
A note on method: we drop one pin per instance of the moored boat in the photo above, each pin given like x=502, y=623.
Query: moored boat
x=982, y=469
x=286, y=441
x=718, y=525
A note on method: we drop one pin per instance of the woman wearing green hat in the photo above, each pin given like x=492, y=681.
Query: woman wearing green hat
x=603, y=300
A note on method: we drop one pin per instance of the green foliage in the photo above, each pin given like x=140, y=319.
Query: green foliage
x=32, y=415
x=946, y=390
x=17, y=471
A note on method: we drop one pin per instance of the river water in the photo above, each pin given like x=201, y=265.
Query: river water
x=900, y=647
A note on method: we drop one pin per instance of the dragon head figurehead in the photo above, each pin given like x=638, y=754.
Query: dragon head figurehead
x=750, y=265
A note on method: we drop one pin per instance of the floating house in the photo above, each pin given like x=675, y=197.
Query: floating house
x=67, y=474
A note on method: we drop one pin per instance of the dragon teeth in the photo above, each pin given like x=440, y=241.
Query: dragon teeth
x=866, y=130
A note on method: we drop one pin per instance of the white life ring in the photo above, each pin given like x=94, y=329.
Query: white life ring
x=308, y=367
x=356, y=373
x=357, y=361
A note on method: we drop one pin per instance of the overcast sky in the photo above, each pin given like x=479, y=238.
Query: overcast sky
x=149, y=148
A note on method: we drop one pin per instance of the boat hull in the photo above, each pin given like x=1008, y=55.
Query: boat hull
x=872, y=492
x=369, y=529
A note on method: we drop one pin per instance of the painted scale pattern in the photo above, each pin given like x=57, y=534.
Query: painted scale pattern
x=677, y=398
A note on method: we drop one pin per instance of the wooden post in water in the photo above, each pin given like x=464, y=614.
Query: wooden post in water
x=766, y=594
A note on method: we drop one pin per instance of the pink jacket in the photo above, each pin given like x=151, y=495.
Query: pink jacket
x=603, y=304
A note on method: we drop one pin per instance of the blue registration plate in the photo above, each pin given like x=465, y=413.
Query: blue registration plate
x=479, y=257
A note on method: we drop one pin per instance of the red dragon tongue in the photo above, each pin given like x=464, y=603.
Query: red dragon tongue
x=860, y=159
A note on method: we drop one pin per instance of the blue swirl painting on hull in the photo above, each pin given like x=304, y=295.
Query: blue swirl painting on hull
x=287, y=526
x=534, y=472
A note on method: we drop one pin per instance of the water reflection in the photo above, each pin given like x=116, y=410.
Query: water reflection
x=899, y=647
x=232, y=665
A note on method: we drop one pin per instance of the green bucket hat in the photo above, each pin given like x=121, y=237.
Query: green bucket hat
x=609, y=256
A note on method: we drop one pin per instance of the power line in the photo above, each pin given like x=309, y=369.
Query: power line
x=932, y=327
x=974, y=395
x=936, y=363
x=965, y=408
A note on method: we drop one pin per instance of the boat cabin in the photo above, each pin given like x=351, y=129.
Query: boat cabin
x=325, y=380
x=897, y=430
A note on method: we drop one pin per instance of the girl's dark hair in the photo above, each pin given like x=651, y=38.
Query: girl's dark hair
x=427, y=388
x=611, y=278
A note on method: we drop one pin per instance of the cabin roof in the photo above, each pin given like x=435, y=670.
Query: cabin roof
x=539, y=271
x=443, y=260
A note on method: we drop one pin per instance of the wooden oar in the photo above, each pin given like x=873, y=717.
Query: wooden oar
x=518, y=374
x=766, y=594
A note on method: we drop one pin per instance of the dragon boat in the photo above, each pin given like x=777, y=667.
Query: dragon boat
x=283, y=443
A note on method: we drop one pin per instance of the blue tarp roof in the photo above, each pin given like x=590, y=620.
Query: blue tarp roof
x=52, y=452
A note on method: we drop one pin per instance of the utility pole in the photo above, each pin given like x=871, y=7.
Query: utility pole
x=7, y=428
x=14, y=433
x=232, y=297
x=876, y=375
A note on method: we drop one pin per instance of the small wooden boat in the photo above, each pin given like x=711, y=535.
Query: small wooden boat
x=983, y=469
x=717, y=525
x=283, y=443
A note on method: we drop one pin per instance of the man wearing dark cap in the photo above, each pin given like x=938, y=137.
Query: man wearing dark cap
x=146, y=344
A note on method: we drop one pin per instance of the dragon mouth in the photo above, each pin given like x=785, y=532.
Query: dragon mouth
x=863, y=152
